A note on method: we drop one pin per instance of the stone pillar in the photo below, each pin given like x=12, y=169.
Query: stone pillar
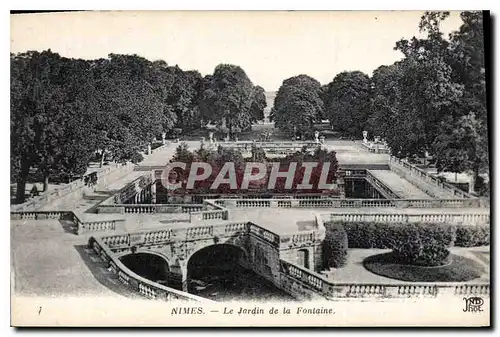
x=149, y=149
x=153, y=192
x=163, y=138
x=184, y=276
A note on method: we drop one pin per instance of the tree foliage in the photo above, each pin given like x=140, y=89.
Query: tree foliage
x=347, y=102
x=297, y=105
x=65, y=110
x=434, y=100
x=229, y=99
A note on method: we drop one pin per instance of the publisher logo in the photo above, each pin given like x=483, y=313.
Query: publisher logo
x=473, y=304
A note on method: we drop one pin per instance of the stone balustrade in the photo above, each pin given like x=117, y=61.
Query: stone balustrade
x=137, y=283
x=376, y=148
x=351, y=203
x=332, y=290
x=197, y=217
x=234, y=228
x=265, y=234
x=199, y=232
x=65, y=191
x=416, y=176
x=41, y=215
x=98, y=225
x=150, y=208
x=470, y=218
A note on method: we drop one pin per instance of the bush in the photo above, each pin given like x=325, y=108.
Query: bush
x=383, y=235
x=136, y=157
x=422, y=243
x=335, y=247
x=473, y=236
x=416, y=243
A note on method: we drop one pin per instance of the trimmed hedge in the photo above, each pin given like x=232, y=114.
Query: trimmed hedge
x=421, y=243
x=335, y=247
x=424, y=244
x=380, y=235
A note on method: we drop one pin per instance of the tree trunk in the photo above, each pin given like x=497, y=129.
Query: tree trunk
x=102, y=158
x=21, y=183
x=45, y=182
x=475, y=175
x=21, y=188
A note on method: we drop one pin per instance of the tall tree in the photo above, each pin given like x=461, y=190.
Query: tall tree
x=258, y=103
x=227, y=98
x=347, y=102
x=297, y=105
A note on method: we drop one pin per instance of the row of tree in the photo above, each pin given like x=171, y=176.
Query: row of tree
x=64, y=110
x=431, y=101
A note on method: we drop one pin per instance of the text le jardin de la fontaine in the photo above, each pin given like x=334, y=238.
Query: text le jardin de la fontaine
x=254, y=310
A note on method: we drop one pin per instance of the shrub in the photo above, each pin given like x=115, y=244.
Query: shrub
x=136, y=157
x=369, y=234
x=422, y=243
x=416, y=243
x=380, y=235
x=473, y=236
x=335, y=247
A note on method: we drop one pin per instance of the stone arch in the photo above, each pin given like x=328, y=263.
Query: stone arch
x=169, y=260
x=216, y=261
x=243, y=249
x=150, y=265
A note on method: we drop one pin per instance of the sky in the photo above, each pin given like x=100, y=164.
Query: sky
x=269, y=46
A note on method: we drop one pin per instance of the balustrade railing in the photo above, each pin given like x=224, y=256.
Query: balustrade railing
x=413, y=174
x=351, y=203
x=264, y=234
x=99, y=226
x=41, y=215
x=331, y=289
x=150, y=208
x=196, y=217
x=470, y=218
x=137, y=283
x=64, y=190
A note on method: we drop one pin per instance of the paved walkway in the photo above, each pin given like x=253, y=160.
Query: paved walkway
x=402, y=187
x=162, y=157
x=48, y=259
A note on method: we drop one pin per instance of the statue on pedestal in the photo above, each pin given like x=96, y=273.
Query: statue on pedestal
x=316, y=136
x=365, y=135
x=163, y=136
x=211, y=138
x=149, y=149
